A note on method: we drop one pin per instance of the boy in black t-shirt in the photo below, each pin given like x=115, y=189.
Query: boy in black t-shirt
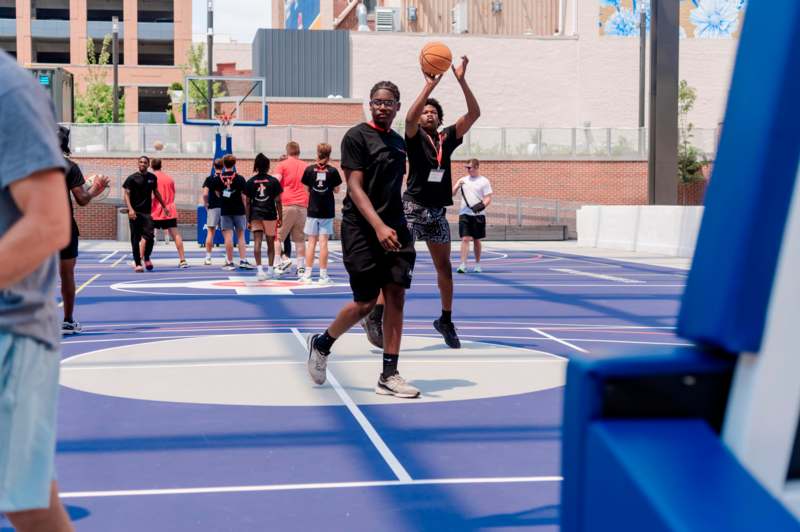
x=230, y=187
x=69, y=255
x=322, y=181
x=429, y=190
x=376, y=245
x=213, y=205
x=139, y=191
x=264, y=209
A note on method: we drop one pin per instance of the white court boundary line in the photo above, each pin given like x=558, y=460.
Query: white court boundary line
x=559, y=340
x=109, y=256
x=309, y=486
x=119, y=260
x=597, y=275
x=387, y=454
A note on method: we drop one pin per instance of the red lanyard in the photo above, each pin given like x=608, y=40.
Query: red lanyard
x=437, y=150
x=376, y=127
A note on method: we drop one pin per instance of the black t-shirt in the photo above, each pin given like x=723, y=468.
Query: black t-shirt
x=74, y=178
x=213, y=200
x=140, y=187
x=422, y=158
x=229, y=188
x=381, y=155
x=321, y=181
x=263, y=190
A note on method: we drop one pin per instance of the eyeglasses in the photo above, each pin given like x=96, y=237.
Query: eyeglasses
x=468, y=167
x=383, y=103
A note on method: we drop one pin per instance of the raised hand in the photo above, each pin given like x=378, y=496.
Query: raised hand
x=431, y=80
x=461, y=70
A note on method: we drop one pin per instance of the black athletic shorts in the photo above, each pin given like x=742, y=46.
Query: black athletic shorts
x=71, y=251
x=371, y=267
x=165, y=224
x=474, y=226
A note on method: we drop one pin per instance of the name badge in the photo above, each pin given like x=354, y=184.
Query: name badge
x=227, y=193
x=436, y=176
x=322, y=176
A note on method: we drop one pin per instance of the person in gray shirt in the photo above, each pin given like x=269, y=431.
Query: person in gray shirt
x=34, y=226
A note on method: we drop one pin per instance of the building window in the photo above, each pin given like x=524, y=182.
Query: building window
x=50, y=9
x=156, y=11
x=104, y=10
x=153, y=104
x=53, y=51
x=156, y=53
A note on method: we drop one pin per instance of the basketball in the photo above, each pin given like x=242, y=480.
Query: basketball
x=158, y=145
x=435, y=58
x=90, y=183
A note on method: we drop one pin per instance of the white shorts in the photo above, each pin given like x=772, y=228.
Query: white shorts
x=212, y=217
x=318, y=226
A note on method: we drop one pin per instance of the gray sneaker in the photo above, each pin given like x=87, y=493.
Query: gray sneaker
x=373, y=326
x=397, y=386
x=317, y=362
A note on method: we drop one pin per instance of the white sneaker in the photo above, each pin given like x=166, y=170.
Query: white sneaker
x=207, y=262
x=261, y=275
x=397, y=386
x=324, y=281
x=477, y=268
x=305, y=279
x=462, y=268
x=317, y=362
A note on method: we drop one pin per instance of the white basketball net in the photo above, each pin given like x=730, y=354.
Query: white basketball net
x=225, y=124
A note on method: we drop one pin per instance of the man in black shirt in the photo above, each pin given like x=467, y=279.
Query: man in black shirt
x=429, y=190
x=69, y=255
x=322, y=182
x=377, y=247
x=212, y=204
x=139, y=191
x=230, y=189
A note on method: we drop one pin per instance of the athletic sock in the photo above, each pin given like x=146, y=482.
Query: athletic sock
x=323, y=272
x=208, y=255
x=301, y=262
x=389, y=365
x=269, y=269
x=446, y=317
x=324, y=342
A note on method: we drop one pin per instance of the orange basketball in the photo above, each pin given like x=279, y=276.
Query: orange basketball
x=435, y=58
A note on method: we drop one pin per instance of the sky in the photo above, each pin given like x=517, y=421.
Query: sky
x=237, y=19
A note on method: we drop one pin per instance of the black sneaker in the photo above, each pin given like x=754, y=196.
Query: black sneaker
x=373, y=326
x=448, y=332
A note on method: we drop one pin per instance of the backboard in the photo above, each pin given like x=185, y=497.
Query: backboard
x=224, y=100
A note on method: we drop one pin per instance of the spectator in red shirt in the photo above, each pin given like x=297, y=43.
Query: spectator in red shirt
x=166, y=187
x=295, y=203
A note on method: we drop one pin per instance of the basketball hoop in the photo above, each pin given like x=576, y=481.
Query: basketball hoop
x=225, y=124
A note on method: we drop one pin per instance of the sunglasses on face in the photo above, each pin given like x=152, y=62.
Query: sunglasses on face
x=383, y=103
x=468, y=167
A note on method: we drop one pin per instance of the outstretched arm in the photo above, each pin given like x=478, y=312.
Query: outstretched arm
x=464, y=123
x=415, y=111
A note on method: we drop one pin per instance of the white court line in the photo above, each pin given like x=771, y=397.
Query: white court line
x=109, y=256
x=135, y=339
x=596, y=275
x=564, y=342
x=388, y=456
x=309, y=486
x=119, y=260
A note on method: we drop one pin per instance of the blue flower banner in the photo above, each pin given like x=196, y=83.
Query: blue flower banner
x=699, y=19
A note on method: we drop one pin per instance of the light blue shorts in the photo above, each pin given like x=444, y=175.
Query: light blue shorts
x=28, y=396
x=318, y=226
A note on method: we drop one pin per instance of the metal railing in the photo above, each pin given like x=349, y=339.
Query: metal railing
x=504, y=143
x=504, y=211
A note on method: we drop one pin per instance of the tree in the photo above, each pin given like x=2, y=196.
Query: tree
x=690, y=160
x=95, y=105
x=198, y=92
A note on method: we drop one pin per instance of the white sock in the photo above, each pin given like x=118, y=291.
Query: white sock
x=208, y=255
x=308, y=271
x=301, y=262
x=323, y=272
x=260, y=268
x=269, y=269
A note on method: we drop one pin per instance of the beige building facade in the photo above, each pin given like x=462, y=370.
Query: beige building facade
x=155, y=36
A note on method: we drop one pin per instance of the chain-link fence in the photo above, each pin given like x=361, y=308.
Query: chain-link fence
x=481, y=142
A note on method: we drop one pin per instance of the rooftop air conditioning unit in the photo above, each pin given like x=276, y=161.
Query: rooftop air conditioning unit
x=387, y=19
x=459, y=14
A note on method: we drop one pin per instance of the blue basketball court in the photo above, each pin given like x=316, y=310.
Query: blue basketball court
x=186, y=401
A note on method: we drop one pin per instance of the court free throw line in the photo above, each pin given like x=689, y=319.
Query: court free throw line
x=310, y=486
x=387, y=454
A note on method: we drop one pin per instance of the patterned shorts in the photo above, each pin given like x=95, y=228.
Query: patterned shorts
x=427, y=224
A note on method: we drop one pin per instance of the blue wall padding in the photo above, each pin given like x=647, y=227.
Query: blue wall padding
x=672, y=475
x=729, y=286
x=583, y=404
